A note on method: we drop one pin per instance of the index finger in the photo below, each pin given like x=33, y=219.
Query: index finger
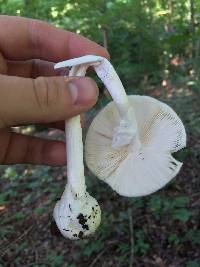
x=22, y=39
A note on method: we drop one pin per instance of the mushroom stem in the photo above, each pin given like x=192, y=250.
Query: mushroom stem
x=127, y=132
x=111, y=80
x=77, y=214
x=74, y=148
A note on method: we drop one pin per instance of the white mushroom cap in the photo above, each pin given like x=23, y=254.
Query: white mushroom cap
x=136, y=169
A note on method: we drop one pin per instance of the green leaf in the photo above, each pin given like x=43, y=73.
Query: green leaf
x=155, y=205
x=58, y=260
x=3, y=200
x=193, y=236
x=136, y=203
x=21, y=247
x=141, y=246
x=123, y=248
x=40, y=210
x=54, y=260
x=180, y=202
x=19, y=216
x=91, y=248
x=173, y=238
x=182, y=215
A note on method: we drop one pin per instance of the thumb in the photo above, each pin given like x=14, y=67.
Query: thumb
x=44, y=99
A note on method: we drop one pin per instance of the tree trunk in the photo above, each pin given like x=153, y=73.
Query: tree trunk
x=105, y=37
x=192, y=26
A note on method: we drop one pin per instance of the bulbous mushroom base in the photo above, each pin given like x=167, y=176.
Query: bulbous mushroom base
x=77, y=218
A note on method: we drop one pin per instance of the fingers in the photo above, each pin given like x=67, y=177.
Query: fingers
x=18, y=148
x=22, y=39
x=32, y=68
x=44, y=100
x=60, y=125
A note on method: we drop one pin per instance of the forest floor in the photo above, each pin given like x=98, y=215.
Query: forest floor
x=158, y=230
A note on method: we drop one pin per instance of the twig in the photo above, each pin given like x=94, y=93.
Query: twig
x=131, y=259
x=17, y=240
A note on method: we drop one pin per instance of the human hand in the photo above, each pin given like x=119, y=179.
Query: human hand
x=31, y=93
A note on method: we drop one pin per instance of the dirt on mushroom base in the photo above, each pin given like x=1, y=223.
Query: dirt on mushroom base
x=165, y=230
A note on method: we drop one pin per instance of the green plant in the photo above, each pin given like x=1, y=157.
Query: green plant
x=181, y=214
x=174, y=238
x=193, y=264
x=141, y=245
x=155, y=204
x=54, y=260
x=176, y=207
x=193, y=236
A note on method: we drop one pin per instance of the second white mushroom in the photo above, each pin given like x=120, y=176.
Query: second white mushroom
x=130, y=142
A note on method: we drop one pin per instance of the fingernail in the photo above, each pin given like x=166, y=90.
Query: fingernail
x=83, y=90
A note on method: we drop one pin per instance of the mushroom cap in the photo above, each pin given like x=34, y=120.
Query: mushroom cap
x=136, y=170
x=77, y=218
x=88, y=59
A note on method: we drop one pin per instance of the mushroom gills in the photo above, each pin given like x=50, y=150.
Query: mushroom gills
x=136, y=170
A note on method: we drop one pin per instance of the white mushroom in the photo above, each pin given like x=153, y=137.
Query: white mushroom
x=129, y=143
x=77, y=214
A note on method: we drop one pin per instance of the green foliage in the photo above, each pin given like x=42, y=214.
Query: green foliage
x=19, y=216
x=193, y=264
x=21, y=246
x=6, y=231
x=173, y=238
x=136, y=203
x=54, y=260
x=141, y=246
x=89, y=248
x=142, y=36
x=155, y=205
x=193, y=236
x=2, y=199
x=123, y=251
x=40, y=210
x=182, y=215
x=175, y=207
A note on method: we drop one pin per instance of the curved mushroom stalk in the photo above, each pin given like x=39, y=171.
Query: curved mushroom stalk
x=126, y=132
x=76, y=214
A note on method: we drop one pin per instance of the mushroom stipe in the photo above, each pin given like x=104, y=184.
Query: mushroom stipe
x=129, y=145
